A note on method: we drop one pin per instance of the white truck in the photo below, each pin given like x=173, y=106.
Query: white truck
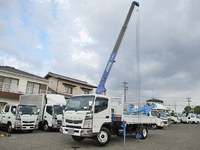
x=96, y=116
x=19, y=117
x=190, y=118
x=157, y=111
x=51, y=107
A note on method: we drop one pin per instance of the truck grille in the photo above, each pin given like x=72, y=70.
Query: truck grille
x=27, y=125
x=28, y=121
x=74, y=121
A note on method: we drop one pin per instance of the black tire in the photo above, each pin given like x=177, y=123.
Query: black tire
x=30, y=131
x=103, y=137
x=46, y=127
x=189, y=122
x=159, y=127
x=9, y=128
x=77, y=138
x=143, y=132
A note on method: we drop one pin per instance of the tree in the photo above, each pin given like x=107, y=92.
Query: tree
x=188, y=109
x=197, y=109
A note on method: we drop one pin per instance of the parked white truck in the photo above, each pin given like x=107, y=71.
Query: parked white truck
x=190, y=118
x=95, y=116
x=19, y=117
x=51, y=107
x=157, y=111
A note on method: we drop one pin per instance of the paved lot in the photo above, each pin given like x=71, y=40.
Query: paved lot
x=174, y=137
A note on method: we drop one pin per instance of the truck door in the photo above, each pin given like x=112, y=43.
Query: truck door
x=48, y=115
x=102, y=113
x=5, y=115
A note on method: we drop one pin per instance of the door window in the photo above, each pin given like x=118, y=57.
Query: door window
x=49, y=110
x=100, y=104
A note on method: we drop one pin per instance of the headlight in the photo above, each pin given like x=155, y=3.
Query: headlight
x=88, y=120
x=18, y=117
x=87, y=123
x=54, y=117
x=18, y=122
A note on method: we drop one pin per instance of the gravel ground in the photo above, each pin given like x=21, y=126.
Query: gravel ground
x=174, y=137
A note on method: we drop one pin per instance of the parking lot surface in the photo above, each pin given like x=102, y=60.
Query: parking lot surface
x=175, y=137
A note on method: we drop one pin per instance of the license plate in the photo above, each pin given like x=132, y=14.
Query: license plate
x=70, y=131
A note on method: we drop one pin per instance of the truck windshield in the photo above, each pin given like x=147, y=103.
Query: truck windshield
x=27, y=109
x=58, y=109
x=162, y=113
x=80, y=103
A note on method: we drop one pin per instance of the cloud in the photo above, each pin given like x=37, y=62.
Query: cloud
x=76, y=38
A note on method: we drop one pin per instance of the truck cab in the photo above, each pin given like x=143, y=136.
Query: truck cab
x=19, y=117
x=52, y=118
x=161, y=120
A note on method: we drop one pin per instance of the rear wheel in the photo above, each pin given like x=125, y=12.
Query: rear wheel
x=143, y=132
x=103, y=137
x=77, y=138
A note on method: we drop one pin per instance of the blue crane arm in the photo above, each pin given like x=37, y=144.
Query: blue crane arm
x=137, y=111
x=101, y=87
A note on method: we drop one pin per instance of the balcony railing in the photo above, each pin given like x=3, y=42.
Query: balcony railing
x=12, y=88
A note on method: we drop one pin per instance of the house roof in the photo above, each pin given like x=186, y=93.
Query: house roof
x=50, y=74
x=154, y=100
x=13, y=70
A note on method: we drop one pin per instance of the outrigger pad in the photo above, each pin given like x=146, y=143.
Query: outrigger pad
x=5, y=135
x=138, y=136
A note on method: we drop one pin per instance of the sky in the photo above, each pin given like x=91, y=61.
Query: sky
x=75, y=38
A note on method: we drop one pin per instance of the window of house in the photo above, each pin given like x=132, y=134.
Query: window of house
x=32, y=88
x=85, y=91
x=68, y=89
x=10, y=85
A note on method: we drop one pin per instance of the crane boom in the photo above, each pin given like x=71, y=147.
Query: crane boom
x=101, y=87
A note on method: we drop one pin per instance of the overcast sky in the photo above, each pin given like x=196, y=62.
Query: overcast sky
x=75, y=38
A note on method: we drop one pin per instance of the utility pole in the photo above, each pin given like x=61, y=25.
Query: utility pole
x=125, y=90
x=174, y=106
x=188, y=100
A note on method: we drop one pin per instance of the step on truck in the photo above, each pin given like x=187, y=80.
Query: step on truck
x=19, y=117
x=51, y=107
x=98, y=117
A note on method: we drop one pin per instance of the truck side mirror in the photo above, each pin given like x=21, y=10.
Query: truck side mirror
x=38, y=111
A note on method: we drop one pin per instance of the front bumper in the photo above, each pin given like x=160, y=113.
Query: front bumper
x=76, y=132
x=25, y=127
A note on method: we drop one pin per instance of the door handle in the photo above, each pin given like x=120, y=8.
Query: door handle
x=45, y=116
x=107, y=116
x=8, y=117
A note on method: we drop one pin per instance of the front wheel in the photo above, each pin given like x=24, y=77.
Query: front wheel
x=30, y=131
x=103, y=137
x=9, y=129
x=46, y=127
x=77, y=138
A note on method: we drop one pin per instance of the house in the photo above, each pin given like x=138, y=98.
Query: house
x=60, y=84
x=14, y=82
